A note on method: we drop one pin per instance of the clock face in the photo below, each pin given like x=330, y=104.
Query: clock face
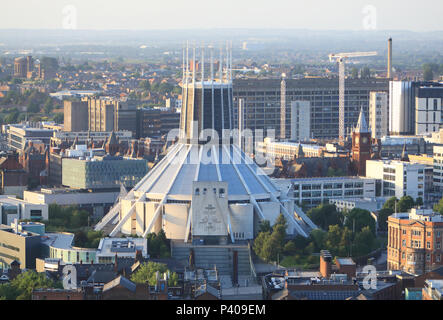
x=364, y=140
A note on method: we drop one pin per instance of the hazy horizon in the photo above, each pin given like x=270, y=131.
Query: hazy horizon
x=340, y=15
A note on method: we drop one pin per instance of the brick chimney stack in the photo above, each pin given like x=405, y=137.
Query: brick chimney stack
x=325, y=263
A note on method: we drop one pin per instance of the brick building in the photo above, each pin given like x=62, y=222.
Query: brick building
x=415, y=241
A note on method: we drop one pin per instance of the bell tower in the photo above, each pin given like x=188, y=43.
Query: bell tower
x=361, y=144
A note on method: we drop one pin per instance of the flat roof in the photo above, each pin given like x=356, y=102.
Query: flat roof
x=58, y=240
x=345, y=261
x=330, y=179
x=14, y=201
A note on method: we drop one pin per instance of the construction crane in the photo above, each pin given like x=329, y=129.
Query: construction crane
x=340, y=58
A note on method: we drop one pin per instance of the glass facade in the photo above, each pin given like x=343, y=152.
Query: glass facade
x=87, y=174
x=262, y=102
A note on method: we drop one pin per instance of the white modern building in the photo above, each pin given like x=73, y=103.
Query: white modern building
x=438, y=168
x=288, y=150
x=12, y=208
x=378, y=114
x=401, y=107
x=300, y=120
x=428, y=109
x=311, y=192
x=399, y=178
x=370, y=204
x=60, y=246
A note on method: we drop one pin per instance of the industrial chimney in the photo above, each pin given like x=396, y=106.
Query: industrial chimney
x=389, y=75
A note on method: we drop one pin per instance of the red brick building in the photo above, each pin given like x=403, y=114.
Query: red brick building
x=415, y=241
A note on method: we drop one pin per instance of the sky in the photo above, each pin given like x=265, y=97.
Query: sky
x=423, y=15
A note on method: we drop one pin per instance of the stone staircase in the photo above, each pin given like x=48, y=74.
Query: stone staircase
x=221, y=257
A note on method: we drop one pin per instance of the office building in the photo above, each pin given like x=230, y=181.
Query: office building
x=393, y=146
x=401, y=107
x=378, y=114
x=101, y=114
x=311, y=192
x=19, y=136
x=415, y=241
x=262, y=103
x=102, y=172
x=428, y=109
x=300, y=120
x=23, y=247
x=14, y=179
x=75, y=116
x=156, y=122
x=370, y=204
x=12, y=208
x=398, y=178
x=288, y=150
x=20, y=67
x=96, y=202
x=438, y=168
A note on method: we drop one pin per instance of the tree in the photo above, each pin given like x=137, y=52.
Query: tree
x=383, y=215
x=325, y=215
x=290, y=248
x=145, y=85
x=419, y=201
x=33, y=107
x=22, y=286
x=405, y=204
x=428, y=73
x=268, y=246
x=147, y=274
x=364, y=242
x=390, y=203
x=59, y=118
x=357, y=219
x=264, y=226
x=12, y=117
x=439, y=207
x=281, y=221
x=48, y=106
x=158, y=245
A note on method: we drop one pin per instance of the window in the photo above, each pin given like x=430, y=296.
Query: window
x=404, y=243
x=428, y=245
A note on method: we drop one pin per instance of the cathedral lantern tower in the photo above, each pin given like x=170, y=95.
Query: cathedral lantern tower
x=361, y=144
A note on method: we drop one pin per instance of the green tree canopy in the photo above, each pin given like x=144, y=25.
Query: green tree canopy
x=147, y=274
x=158, y=245
x=325, y=215
x=390, y=203
x=405, y=204
x=439, y=207
x=383, y=215
x=364, y=242
x=357, y=219
x=22, y=286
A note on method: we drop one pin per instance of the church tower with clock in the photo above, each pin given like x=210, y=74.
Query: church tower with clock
x=361, y=144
